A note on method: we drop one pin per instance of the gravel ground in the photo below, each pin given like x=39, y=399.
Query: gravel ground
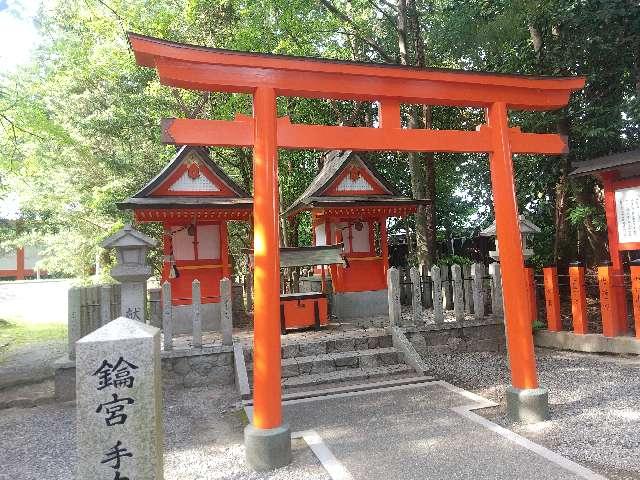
x=594, y=401
x=203, y=440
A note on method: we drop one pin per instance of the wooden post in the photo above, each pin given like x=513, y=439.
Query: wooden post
x=467, y=283
x=196, y=301
x=477, y=273
x=497, y=302
x=20, y=270
x=635, y=292
x=105, y=305
x=384, y=245
x=533, y=298
x=393, y=296
x=438, y=314
x=427, y=299
x=416, y=297
x=578, y=299
x=608, y=302
x=74, y=312
x=458, y=293
x=518, y=327
x=447, y=291
x=552, y=298
x=267, y=393
x=167, y=317
x=224, y=250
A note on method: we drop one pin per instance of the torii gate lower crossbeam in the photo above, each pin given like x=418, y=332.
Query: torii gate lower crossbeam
x=268, y=76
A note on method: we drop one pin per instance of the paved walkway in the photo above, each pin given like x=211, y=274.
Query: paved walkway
x=425, y=431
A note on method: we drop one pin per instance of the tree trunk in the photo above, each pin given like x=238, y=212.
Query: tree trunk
x=422, y=183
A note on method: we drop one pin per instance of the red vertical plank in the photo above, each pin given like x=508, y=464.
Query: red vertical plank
x=578, y=298
x=552, y=299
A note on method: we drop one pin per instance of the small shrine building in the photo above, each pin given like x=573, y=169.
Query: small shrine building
x=194, y=200
x=350, y=202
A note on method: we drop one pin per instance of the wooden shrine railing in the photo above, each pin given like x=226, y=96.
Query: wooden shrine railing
x=584, y=301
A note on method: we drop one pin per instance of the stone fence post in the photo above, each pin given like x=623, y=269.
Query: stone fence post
x=496, y=290
x=119, y=402
x=393, y=296
x=477, y=273
x=467, y=284
x=416, y=296
x=438, y=314
x=447, y=291
x=226, y=312
x=458, y=293
x=196, y=309
x=427, y=299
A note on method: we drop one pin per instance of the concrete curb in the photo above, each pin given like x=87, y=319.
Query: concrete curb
x=588, y=343
x=404, y=346
x=242, y=379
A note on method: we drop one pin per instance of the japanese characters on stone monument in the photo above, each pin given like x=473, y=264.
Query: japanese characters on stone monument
x=119, y=402
x=131, y=270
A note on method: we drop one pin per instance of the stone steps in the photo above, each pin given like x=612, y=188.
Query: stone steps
x=348, y=375
x=337, y=361
x=357, y=341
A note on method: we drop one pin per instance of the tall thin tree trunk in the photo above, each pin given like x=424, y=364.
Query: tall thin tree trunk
x=418, y=164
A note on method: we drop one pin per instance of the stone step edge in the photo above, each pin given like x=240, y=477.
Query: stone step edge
x=357, y=334
x=332, y=356
x=360, y=387
x=345, y=375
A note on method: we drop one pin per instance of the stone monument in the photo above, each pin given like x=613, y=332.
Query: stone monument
x=131, y=270
x=119, y=402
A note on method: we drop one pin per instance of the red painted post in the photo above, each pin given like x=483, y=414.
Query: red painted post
x=518, y=324
x=267, y=411
x=552, y=299
x=578, y=298
x=635, y=292
x=608, y=302
x=531, y=287
x=20, y=272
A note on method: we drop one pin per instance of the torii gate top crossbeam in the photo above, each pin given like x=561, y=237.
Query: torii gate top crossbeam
x=211, y=69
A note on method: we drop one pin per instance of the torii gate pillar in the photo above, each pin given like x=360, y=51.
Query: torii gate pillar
x=267, y=440
x=526, y=401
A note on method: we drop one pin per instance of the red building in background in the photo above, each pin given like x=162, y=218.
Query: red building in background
x=194, y=200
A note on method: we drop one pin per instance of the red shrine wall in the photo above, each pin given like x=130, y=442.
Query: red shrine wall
x=365, y=270
x=197, y=253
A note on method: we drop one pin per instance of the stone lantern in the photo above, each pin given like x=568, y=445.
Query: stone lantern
x=132, y=270
x=527, y=229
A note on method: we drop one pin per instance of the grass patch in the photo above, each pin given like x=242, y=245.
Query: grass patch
x=14, y=333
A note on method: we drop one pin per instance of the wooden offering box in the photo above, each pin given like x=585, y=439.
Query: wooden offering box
x=302, y=310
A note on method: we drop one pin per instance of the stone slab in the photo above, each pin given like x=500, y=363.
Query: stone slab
x=209, y=316
x=360, y=304
x=590, y=342
x=119, y=402
x=417, y=432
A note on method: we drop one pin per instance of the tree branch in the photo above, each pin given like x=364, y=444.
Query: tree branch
x=363, y=36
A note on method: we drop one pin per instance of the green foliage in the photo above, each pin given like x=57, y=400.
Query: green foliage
x=79, y=125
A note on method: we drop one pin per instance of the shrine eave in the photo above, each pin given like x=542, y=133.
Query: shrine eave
x=177, y=202
x=616, y=161
x=210, y=69
x=371, y=206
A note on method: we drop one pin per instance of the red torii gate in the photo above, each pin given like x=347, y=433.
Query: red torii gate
x=268, y=76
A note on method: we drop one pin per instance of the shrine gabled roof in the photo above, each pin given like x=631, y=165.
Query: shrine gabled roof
x=606, y=163
x=176, y=186
x=335, y=163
